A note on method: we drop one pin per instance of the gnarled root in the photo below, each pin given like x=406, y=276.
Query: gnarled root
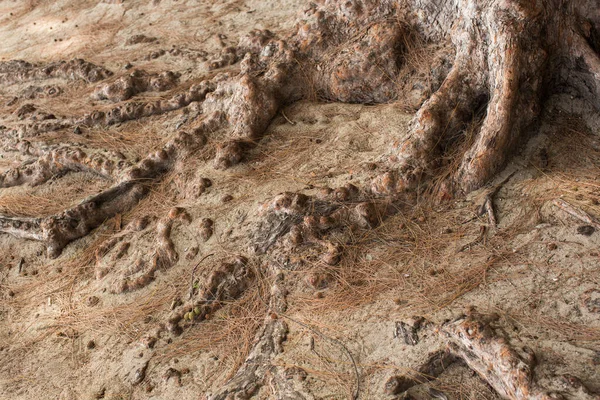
x=136, y=82
x=505, y=66
x=435, y=365
x=227, y=282
x=487, y=350
x=258, y=368
x=56, y=161
x=142, y=272
x=16, y=71
x=298, y=219
x=484, y=347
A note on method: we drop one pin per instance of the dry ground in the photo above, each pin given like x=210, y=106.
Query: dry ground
x=66, y=332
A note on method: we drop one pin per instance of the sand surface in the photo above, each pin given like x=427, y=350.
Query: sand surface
x=67, y=331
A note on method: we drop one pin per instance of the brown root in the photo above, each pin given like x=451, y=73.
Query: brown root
x=509, y=370
x=17, y=71
x=258, y=369
x=136, y=82
x=440, y=117
x=57, y=161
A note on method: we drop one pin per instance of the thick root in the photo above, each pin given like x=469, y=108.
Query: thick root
x=60, y=160
x=487, y=351
x=294, y=220
x=258, y=369
x=136, y=82
x=436, y=123
x=17, y=71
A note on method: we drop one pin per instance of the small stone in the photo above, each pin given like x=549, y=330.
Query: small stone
x=552, y=246
x=100, y=393
x=150, y=342
x=586, y=230
x=77, y=130
x=227, y=198
x=191, y=253
x=175, y=212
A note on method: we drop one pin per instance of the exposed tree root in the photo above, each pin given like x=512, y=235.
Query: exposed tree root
x=501, y=63
x=142, y=272
x=258, y=369
x=507, y=56
x=227, y=282
x=17, y=71
x=299, y=220
x=500, y=66
x=433, y=367
x=58, y=230
x=486, y=350
x=59, y=160
x=136, y=82
x=483, y=346
x=577, y=213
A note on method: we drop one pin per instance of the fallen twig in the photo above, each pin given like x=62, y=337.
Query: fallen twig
x=287, y=119
x=576, y=212
x=488, y=202
x=479, y=239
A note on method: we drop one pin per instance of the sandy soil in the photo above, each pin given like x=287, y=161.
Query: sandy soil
x=68, y=330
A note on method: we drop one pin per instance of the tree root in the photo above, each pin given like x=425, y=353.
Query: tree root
x=142, y=273
x=577, y=213
x=475, y=340
x=136, y=82
x=300, y=220
x=57, y=161
x=435, y=365
x=350, y=52
x=227, y=282
x=487, y=351
x=17, y=71
x=258, y=368
x=58, y=230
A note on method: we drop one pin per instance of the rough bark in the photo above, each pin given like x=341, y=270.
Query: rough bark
x=508, y=368
x=258, y=367
x=479, y=342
